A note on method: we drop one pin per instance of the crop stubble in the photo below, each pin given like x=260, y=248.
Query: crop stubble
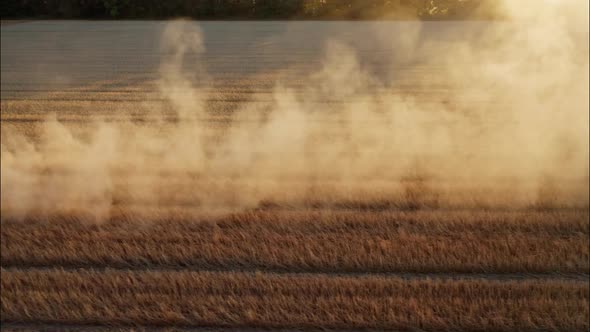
x=334, y=255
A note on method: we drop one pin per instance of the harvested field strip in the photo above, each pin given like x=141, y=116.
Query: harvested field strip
x=551, y=223
x=505, y=277
x=552, y=242
x=267, y=300
x=135, y=199
x=166, y=187
x=322, y=253
x=36, y=327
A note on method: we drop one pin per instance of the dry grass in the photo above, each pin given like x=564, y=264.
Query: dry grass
x=320, y=241
x=266, y=300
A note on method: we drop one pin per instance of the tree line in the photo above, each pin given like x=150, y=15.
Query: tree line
x=239, y=9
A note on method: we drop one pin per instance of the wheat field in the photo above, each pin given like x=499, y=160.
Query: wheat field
x=291, y=175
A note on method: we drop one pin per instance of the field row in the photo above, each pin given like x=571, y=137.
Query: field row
x=144, y=196
x=267, y=300
x=322, y=241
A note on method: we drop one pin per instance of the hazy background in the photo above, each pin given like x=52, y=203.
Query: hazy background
x=226, y=116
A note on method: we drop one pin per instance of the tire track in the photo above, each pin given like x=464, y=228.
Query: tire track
x=574, y=277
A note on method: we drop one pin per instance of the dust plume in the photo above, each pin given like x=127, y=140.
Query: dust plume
x=511, y=131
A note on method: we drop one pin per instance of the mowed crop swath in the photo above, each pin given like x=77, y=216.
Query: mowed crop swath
x=261, y=300
x=529, y=270
x=424, y=253
x=324, y=241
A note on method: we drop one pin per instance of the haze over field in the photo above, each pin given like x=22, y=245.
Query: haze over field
x=391, y=175
x=508, y=111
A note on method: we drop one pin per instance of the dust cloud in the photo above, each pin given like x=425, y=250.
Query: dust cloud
x=347, y=138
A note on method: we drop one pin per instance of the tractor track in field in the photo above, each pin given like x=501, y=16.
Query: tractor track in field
x=82, y=268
